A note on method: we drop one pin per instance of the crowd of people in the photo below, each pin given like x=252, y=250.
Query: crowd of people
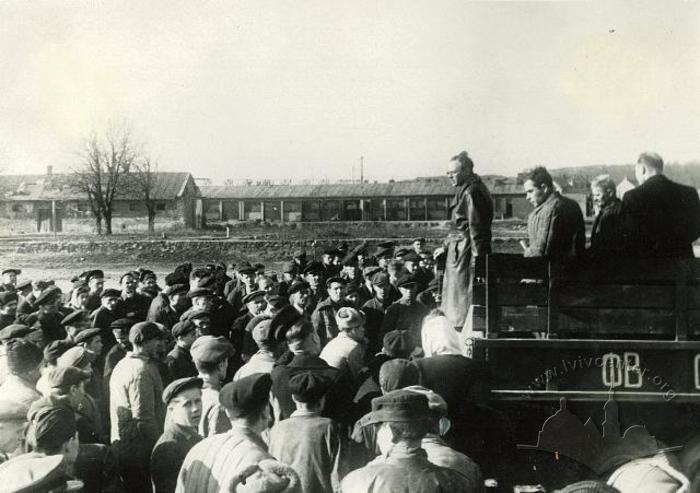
x=344, y=373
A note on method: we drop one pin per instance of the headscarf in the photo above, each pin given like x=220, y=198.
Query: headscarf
x=439, y=337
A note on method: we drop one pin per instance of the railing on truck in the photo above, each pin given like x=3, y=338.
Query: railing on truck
x=582, y=328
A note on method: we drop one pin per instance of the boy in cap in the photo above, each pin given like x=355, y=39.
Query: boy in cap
x=169, y=314
x=183, y=398
x=8, y=308
x=179, y=359
x=403, y=419
x=255, y=304
x=290, y=273
x=264, y=360
x=313, y=275
x=405, y=313
x=346, y=351
x=246, y=274
x=75, y=322
x=323, y=318
x=308, y=442
x=136, y=410
x=211, y=357
x=48, y=317
x=109, y=310
x=214, y=464
x=9, y=279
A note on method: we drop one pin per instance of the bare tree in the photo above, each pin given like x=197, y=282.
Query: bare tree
x=101, y=174
x=146, y=184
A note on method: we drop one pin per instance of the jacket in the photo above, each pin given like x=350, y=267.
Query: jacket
x=374, y=311
x=471, y=213
x=607, y=232
x=180, y=363
x=168, y=455
x=556, y=229
x=661, y=219
x=261, y=362
x=214, y=419
x=441, y=454
x=160, y=311
x=323, y=319
x=404, y=316
x=212, y=464
x=345, y=354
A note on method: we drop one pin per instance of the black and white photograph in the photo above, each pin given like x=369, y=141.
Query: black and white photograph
x=264, y=246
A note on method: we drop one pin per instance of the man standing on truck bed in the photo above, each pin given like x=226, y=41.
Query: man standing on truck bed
x=555, y=226
x=661, y=218
x=471, y=213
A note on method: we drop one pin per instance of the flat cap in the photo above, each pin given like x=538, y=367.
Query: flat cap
x=51, y=423
x=86, y=334
x=405, y=280
x=332, y=251
x=82, y=289
x=246, y=395
x=40, y=285
x=180, y=385
x=176, y=278
x=253, y=295
x=397, y=374
x=75, y=317
x=333, y=279
x=183, y=328
x=14, y=331
x=262, y=332
x=313, y=268
x=144, y=331
x=399, y=406
x=174, y=289
x=122, y=324
x=11, y=270
x=7, y=297
x=309, y=386
x=24, y=284
x=348, y=318
x=110, y=293
x=381, y=279
x=283, y=320
x=65, y=376
x=94, y=274
x=371, y=270
x=147, y=274
x=210, y=349
x=49, y=295
x=76, y=356
x=381, y=252
x=276, y=301
x=420, y=239
x=197, y=292
x=411, y=257
x=54, y=349
x=259, y=266
x=246, y=269
x=297, y=286
x=22, y=356
x=195, y=314
x=31, y=473
x=402, y=252
x=398, y=343
x=299, y=254
x=288, y=267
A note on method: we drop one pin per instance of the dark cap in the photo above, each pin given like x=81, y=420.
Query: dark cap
x=110, y=293
x=297, y=286
x=176, y=278
x=352, y=289
x=97, y=273
x=288, y=267
x=210, y=349
x=381, y=279
x=397, y=374
x=283, y=320
x=246, y=395
x=262, y=332
x=49, y=295
x=122, y=324
x=40, y=285
x=24, y=285
x=31, y=473
x=131, y=273
x=86, y=334
x=398, y=343
x=259, y=266
x=420, y=239
x=383, y=252
x=76, y=356
x=371, y=270
x=402, y=252
x=200, y=292
x=299, y=254
x=7, y=297
x=82, y=289
x=400, y=406
x=182, y=328
x=180, y=385
x=76, y=316
x=195, y=314
x=50, y=425
x=253, y=295
x=309, y=386
x=276, y=301
x=65, y=376
x=176, y=289
x=147, y=274
x=405, y=280
x=246, y=269
x=333, y=279
x=10, y=270
x=411, y=257
x=14, y=331
x=55, y=349
x=22, y=356
x=144, y=331
x=313, y=268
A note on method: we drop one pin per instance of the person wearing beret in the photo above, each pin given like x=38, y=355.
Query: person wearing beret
x=247, y=284
x=8, y=308
x=179, y=359
x=169, y=314
x=311, y=444
x=211, y=357
x=375, y=310
x=215, y=463
x=255, y=305
x=136, y=410
x=346, y=351
x=323, y=317
x=183, y=399
x=13, y=419
x=132, y=301
x=405, y=313
x=23, y=362
x=403, y=419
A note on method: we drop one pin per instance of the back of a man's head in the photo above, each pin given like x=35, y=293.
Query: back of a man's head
x=464, y=160
x=652, y=161
x=540, y=176
x=298, y=335
x=23, y=357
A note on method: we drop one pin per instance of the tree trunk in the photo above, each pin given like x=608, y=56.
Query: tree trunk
x=151, y=222
x=108, y=222
x=98, y=225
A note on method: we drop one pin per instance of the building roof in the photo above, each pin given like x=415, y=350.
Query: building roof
x=168, y=186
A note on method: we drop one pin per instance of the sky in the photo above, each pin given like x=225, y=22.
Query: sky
x=262, y=89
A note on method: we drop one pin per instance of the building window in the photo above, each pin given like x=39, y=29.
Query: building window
x=133, y=206
x=160, y=206
x=17, y=208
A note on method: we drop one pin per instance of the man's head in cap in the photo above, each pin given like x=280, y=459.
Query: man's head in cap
x=183, y=397
x=247, y=401
x=255, y=302
x=48, y=300
x=8, y=303
x=397, y=374
x=381, y=286
x=120, y=330
x=95, y=281
x=9, y=276
x=403, y=416
x=309, y=389
x=398, y=344
x=75, y=356
x=185, y=333
x=14, y=331
x=410, y=262
x=299, y=295
x=129, y=282
x=289, y=271
x=13, y=418
x=439, y=422
x=24, y=287
x=68, y=382
x=55, y=349
x=35, y=473
x=267, y=285
x=110, y=299
x=201, y=320
x=264, y=335
x=177, y=295
x=418, y=244
x=91, y=340
x=302, y=338
x=146, y=338
x=407, y=287
x=383, y=255
x=312, y=274
x=211, y=354
x=351, y=322
x=148, y=282
x=246, y=274
x=76, y=321
x=53, y=430
x=79, y=297
x=23, y=359
x=202, y=299
x=336, y=288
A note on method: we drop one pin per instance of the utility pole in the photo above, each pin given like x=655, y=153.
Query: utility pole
x=362, y=169
x=362, y=188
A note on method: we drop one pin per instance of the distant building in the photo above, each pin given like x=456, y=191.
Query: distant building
x=35, y=197
x=624, y=186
